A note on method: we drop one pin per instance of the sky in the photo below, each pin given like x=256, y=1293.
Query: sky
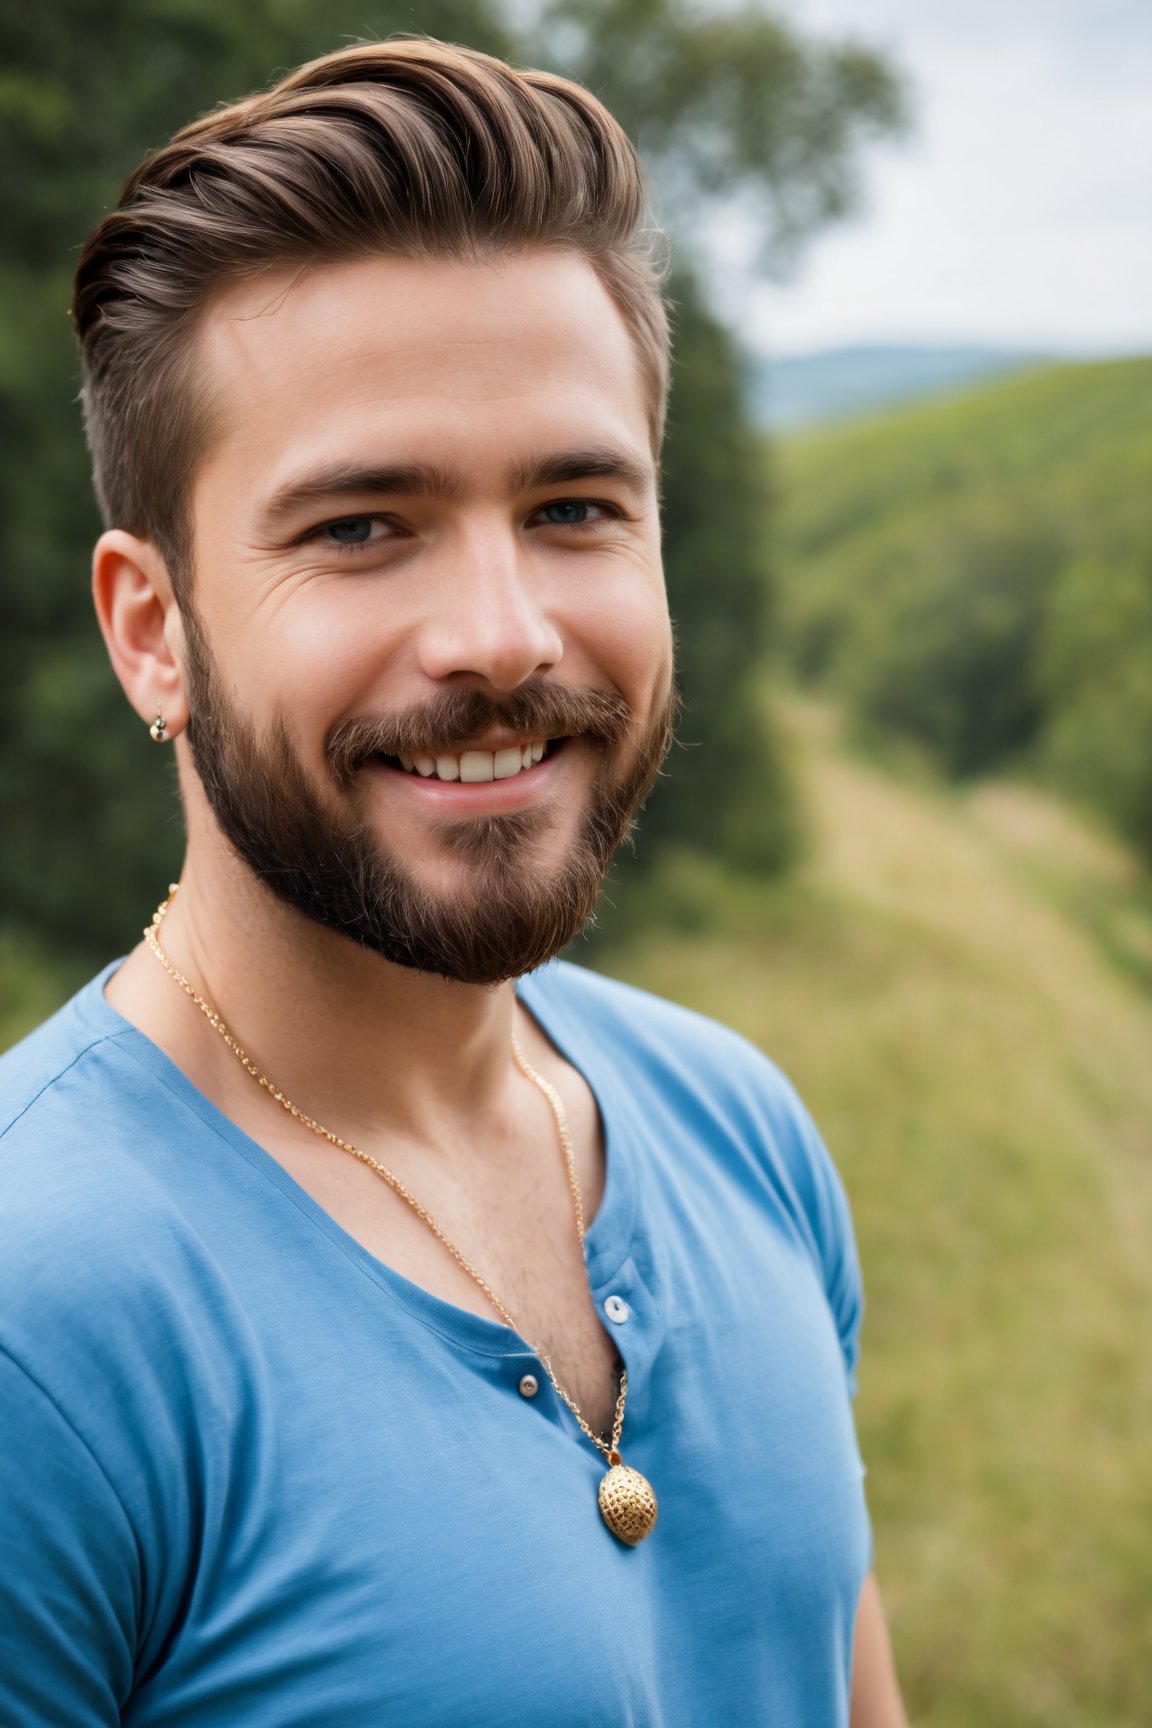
x=1017, y=212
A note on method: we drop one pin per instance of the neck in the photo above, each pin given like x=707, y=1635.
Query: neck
x=346, y=1034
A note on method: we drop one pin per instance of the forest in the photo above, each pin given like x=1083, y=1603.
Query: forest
x=975, y=575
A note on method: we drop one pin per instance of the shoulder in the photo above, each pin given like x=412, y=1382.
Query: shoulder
x=73, y=1089
x=660, y=1045
x=699, y=1071
x=74, y=1106
x=94, y=1242
x=608, y=1010
x=34, y=1065
x=110, y=1370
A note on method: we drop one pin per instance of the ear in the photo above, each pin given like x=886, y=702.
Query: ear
x=141, y=625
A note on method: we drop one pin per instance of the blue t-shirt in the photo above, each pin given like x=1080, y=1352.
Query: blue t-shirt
x=253, y=1478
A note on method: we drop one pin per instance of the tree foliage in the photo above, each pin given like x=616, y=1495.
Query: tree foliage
x=730, y=105
x=722, y=102
x=1097, y=664
x=726, y=788
x=977, y=575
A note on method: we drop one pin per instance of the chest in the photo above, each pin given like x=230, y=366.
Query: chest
x=511, y=1226
x=418, y=1538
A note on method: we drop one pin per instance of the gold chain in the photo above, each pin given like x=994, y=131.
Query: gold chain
x=610, y=1449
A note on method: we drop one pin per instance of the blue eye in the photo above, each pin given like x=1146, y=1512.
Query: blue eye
x=351, y=531
x=574, y=513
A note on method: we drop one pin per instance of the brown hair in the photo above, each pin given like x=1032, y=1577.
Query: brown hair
x=408, y=147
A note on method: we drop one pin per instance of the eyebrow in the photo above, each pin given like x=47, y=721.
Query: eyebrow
x=344, y=479
x=424, y=480
x=600, y=462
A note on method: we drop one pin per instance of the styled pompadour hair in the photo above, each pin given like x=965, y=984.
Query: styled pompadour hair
x=405, y=148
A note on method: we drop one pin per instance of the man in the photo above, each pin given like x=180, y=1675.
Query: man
x=385, y=1340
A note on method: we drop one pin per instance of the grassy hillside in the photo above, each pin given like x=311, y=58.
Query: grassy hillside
x=1079, y=434
x=936, y=985
x=977, y=574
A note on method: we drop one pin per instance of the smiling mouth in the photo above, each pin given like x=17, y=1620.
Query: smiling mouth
x=475, y=767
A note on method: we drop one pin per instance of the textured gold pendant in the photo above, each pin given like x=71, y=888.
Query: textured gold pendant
x=627, y=1503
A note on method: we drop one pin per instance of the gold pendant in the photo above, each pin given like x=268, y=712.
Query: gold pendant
x=627, y=1503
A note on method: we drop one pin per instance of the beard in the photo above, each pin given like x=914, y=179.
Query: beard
x=320, y=855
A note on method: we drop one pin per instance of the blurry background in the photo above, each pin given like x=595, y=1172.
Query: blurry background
x=905, y=844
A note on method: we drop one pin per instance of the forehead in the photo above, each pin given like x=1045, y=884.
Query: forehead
x=455, y=364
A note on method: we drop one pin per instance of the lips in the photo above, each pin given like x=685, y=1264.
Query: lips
x=463, y=723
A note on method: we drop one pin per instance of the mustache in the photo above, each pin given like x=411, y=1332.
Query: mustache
x=538, y=708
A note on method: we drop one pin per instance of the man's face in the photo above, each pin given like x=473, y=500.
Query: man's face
x=429, y=654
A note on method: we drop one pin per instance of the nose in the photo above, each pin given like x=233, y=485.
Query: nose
x=489, y=615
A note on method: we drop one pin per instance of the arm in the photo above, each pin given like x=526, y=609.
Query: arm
x=68, y=1583
x=876, y=1701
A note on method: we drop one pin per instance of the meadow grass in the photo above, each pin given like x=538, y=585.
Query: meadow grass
x=980, y=1063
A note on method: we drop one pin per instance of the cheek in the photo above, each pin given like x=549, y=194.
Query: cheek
x=631, y=640
x=340, y=643
x=318, y=652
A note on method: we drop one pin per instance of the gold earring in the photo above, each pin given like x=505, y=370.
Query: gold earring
x=158, y=728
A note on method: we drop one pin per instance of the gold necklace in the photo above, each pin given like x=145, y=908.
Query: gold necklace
x=627, y=1502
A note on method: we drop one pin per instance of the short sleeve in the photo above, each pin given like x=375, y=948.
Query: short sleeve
x=842, y=1277
x=69, y=1582
x=827, y=1218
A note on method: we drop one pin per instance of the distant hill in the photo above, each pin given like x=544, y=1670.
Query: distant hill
x=810, y=389
x=975, y=574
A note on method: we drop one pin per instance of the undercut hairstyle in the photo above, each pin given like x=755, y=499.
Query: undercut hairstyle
x=407, y=148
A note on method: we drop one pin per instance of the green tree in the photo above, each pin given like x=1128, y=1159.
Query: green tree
x=1097, y=672
x=725, y=789
x=729, y=105
x=947, y=648
x=976, y=574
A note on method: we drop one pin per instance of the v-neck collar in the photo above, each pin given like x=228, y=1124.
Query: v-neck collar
x=608, y=1238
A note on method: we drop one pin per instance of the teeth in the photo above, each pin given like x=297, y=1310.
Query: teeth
x=475, y=767
x=506, y=763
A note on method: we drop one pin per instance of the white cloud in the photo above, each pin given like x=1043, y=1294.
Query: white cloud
x=1020, y=210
